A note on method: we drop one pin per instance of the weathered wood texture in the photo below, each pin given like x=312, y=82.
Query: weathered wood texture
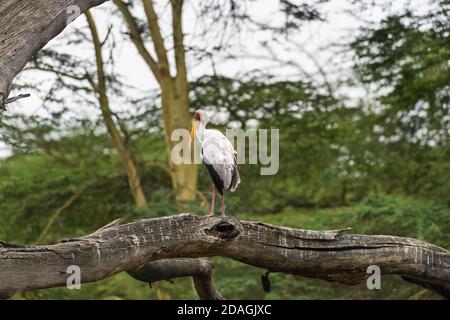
x=328, y=255
x=167, y=269
x=25, y=27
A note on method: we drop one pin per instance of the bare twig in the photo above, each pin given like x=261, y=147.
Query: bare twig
x=71, y=200
x=14, y=99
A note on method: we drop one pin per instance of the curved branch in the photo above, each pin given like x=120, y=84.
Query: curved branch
x=19, y=40
x=135, y=34
x=166, y=269
x=155, y=31
x=60, y=210
x=327, y=255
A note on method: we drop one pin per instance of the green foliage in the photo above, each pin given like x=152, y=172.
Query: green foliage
x=404, y=217
x=406, y=58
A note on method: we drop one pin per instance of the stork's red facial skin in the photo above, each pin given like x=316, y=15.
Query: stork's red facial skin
x=197, y=116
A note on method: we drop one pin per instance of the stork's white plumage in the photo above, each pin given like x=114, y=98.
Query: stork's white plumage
x=219, y=157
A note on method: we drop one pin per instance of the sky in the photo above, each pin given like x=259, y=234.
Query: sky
x=309, y=47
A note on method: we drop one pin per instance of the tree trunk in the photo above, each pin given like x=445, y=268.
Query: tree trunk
x=174, y=89
x=327, y=255
x=134, y=180
x=186, y=175
x=176, y=116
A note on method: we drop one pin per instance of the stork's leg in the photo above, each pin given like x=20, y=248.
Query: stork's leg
x=223, y=202
x=213, y=197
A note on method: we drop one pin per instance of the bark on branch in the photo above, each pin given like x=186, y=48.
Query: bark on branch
x=327, y=255
x=25, y=27
x=167, y=269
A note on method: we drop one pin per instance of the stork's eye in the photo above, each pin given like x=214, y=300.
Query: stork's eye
x=197, y=116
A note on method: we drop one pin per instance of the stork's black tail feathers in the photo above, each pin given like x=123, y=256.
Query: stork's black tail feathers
x=218, y=183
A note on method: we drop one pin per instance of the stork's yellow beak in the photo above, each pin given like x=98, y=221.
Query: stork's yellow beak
x=192, y=131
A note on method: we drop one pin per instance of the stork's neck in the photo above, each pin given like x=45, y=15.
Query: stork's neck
x=200, y=131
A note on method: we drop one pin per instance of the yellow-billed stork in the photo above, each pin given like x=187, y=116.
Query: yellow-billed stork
x=218, y=156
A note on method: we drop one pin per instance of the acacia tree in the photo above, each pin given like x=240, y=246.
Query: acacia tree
x=174, y=87
x=169, y=72
x=64, y=67
x=100, y=87
x=405, y=59
x=172, y=74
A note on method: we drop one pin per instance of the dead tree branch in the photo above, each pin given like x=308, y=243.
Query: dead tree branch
x=327, y=255
x=26, y=26
x=166, y=269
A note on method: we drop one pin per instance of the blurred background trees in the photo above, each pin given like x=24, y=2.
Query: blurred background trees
x=363, y=135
